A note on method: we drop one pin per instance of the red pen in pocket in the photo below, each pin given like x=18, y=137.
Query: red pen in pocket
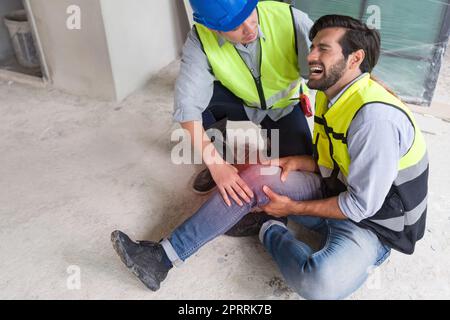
x=305, y=103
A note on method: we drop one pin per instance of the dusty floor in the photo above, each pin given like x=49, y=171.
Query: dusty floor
x=74, y=169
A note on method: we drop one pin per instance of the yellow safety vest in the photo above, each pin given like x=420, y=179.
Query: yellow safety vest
x=401, y=220
x=280, y=76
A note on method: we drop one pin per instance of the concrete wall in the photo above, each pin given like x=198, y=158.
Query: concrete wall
x=189, y=12
x=143, y=36
x=6, y=6
x=120, y=46
x=78, y=60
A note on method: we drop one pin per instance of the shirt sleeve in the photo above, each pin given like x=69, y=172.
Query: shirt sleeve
x=303, y=25
x=375, y=146
x=195, y=82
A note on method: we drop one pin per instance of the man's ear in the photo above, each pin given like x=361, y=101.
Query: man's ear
x=357, y=58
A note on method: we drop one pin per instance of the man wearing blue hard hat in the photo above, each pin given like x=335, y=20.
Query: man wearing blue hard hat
x=243, y=60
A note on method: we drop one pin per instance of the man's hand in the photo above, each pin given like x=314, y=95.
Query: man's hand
x=294, y=163
x=225, y=175
x=230, y=183
x=279, y=206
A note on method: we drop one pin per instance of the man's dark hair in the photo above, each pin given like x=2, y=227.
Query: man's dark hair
x=358, y=36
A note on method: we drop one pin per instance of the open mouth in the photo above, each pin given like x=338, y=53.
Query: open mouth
x=315, y=70
x=251, y=37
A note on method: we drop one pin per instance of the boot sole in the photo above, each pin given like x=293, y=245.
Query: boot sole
x=150, y=282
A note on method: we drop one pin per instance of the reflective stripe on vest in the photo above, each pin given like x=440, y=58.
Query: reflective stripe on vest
x=330, y=137
x=398, y=224
x=280, y=77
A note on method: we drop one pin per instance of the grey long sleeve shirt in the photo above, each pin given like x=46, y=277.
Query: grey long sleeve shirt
x=194, y=85
x=377, y=138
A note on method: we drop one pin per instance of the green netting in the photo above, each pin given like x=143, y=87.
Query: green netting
x=411, y=27
x=414, y=36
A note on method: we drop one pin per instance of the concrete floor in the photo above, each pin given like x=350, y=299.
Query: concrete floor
x=74, y=169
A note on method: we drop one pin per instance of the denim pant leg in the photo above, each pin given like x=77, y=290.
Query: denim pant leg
x=335, y=271
x=214, y=217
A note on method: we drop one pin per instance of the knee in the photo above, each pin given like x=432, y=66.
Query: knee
x=258, y=176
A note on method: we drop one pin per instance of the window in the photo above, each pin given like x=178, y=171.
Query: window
x=414, y=36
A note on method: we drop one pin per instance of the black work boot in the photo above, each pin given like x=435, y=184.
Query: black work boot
x=146, y=259
x=251, y=223
x=204, y=182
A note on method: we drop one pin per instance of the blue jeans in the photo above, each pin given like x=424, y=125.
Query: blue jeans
x=333, y=272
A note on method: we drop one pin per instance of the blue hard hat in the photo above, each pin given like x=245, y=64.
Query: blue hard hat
x=222, y=15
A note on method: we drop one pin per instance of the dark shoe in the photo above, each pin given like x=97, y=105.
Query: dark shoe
x=146, y=259
x=251, y=223
x=204, y=182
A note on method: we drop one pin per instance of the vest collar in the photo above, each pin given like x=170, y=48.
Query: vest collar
x=339, y=95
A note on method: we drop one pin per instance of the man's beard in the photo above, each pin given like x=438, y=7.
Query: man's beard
x=336, y=72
